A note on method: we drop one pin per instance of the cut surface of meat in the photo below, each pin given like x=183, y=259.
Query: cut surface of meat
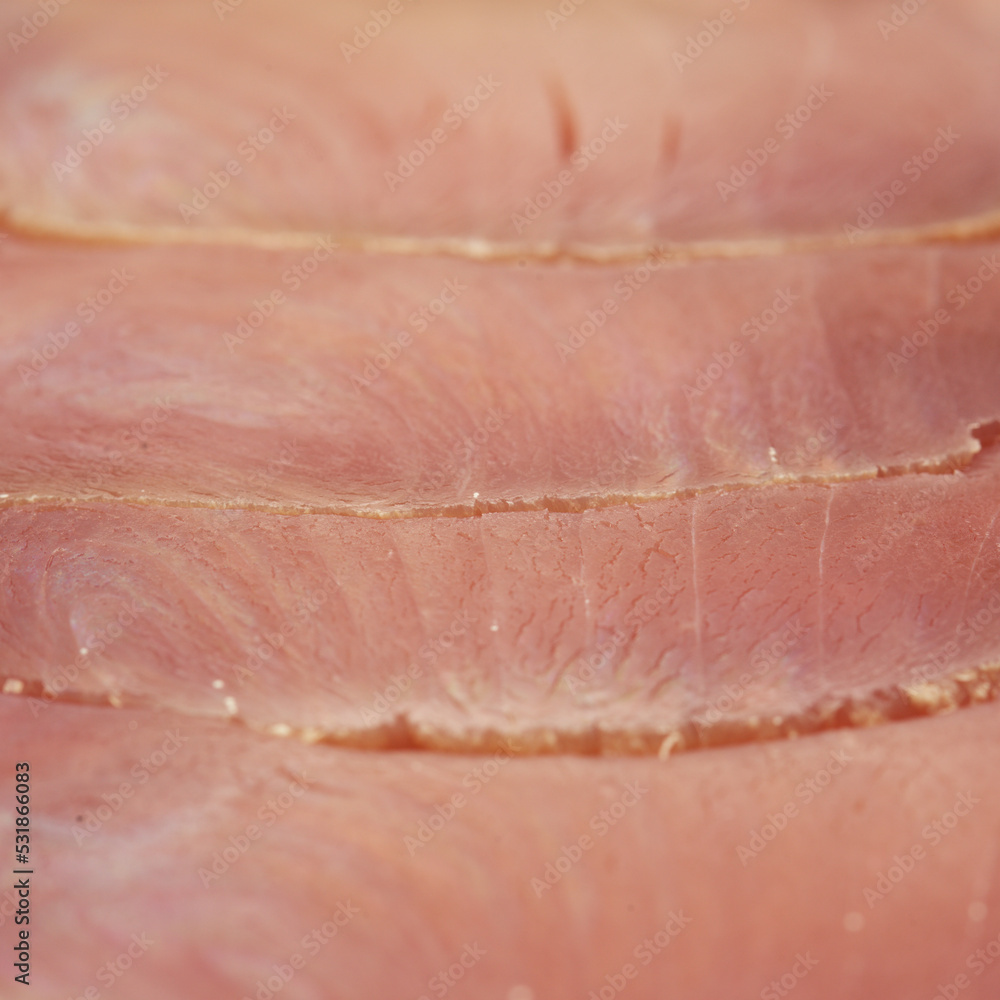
x=851, y=850
x=431, y=418
x=732, y=614
x=494, y=126
x=725, y=514
x=386, y=385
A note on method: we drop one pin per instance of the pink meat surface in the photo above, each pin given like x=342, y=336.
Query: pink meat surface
x=500, y=501
x=388, y=385
x=726, y=615
x=863, y=859
x=613, y=128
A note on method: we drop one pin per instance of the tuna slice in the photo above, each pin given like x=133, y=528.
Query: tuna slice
x=178, y=857
x=610, y=127
x=387, y=385
x=726, y=615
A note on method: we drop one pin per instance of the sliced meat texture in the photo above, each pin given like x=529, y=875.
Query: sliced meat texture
x=190, y=858
x=688, y=527
x=387, y=385
x=634, y=627
x=604, y=125
x=500, y=501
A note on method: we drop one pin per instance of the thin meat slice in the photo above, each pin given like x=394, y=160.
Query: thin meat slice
x=183, y=858
x=387, y=386
x=499, y=126
x=728, y=615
